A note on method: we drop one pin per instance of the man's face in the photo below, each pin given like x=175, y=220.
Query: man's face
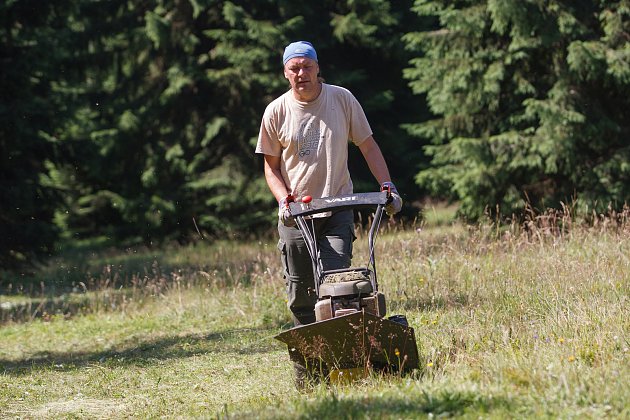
x=302, y=73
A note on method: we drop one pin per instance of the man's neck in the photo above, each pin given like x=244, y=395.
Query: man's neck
x=310, y=96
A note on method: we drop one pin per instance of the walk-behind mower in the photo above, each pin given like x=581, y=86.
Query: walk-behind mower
x=351, y=335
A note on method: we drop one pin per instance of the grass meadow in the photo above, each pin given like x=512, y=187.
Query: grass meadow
x=527, y=320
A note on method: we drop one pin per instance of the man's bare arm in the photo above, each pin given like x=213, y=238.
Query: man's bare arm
x=273, y=176
x=375, y=160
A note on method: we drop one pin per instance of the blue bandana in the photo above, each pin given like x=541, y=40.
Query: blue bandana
x=299, y=49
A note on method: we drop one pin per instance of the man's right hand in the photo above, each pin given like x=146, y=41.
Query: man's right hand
x=284, y=212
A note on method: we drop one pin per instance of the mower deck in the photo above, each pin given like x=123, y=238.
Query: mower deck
x=355, y=340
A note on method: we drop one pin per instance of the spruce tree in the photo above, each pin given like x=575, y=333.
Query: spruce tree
x=529, y=102
x=32, y=46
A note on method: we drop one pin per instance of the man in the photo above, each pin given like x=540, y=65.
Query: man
x=304, y=138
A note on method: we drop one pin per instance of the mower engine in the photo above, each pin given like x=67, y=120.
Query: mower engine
x=347, y=291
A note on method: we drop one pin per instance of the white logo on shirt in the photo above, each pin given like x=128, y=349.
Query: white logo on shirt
x=308, y=138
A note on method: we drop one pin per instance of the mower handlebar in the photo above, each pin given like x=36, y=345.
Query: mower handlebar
x=350, y=201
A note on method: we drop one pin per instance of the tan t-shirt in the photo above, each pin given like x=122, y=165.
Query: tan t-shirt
x=312, y=139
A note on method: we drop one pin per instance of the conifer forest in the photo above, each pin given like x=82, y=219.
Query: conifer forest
x=136, y=121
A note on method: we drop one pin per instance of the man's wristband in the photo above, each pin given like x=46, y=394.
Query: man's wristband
x=388, y=185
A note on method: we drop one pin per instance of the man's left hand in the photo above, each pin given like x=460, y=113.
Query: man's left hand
x=395, y=204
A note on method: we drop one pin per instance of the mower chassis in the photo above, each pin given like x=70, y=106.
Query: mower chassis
x=358, y=340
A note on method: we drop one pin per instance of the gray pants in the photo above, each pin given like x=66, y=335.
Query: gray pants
x=334, y=236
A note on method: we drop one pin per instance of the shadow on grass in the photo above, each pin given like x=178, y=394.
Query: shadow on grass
x=113, y=290
x=446, y=403
x=144, y=353
x=62, y=275
x=92, y=266
x=67, y=305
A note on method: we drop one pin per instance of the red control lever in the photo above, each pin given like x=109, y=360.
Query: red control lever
x=307, y=199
